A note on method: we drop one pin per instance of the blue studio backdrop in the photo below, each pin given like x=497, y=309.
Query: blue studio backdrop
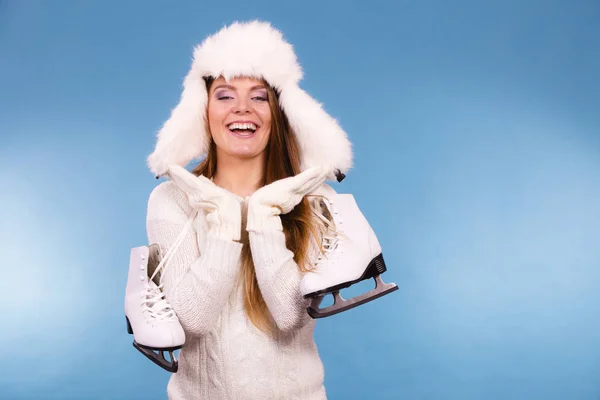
x=476, y=131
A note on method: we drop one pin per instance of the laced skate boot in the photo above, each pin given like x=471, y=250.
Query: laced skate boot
x=149, y=316
x=352, y=254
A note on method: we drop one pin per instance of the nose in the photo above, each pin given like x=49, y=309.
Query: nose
x=241, y=106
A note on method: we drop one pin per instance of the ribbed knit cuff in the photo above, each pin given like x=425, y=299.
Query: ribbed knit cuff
x=224, y=226
x=263, y=218
x=220, y=255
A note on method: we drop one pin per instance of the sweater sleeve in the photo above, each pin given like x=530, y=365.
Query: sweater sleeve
x=196, y=285
x=279, y=279
x=277, y=273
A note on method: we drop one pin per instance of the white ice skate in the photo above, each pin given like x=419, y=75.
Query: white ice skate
x=352, y=254
x=149, y=316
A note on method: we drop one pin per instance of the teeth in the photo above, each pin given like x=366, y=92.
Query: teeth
x=248, y=126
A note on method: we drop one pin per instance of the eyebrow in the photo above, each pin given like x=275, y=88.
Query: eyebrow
x=226, y=86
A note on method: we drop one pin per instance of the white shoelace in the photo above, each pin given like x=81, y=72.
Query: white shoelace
x=154, y=302
x=331, y=237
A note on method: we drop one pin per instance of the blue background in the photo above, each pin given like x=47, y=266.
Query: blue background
x=476, y=129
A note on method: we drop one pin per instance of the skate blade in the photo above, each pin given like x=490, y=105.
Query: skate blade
x=340, y=304
x=375, y=268
x=159, y=358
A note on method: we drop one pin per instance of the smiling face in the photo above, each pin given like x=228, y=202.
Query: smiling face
x=239, y=117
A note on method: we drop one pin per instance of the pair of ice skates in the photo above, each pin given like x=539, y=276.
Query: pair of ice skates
x=352, y=254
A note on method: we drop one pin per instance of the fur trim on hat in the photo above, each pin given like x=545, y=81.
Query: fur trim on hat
x=253, y=49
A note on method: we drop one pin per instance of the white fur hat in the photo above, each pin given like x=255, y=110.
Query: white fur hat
x=253, y=49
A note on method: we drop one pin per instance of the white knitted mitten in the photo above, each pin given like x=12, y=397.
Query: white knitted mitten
x=280, y=197
x=224, y=215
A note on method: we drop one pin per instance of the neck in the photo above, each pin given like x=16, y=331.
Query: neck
x=239, y=176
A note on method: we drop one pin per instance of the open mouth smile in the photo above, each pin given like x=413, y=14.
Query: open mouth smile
x=242, y=129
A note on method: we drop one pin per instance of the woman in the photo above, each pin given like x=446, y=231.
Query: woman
x=233, y=282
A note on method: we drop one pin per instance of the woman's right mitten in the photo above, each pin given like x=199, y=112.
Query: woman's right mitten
x=224, y=215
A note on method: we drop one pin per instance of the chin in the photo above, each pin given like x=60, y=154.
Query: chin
x=249, y=149
x=244, y=152
x=246, y=148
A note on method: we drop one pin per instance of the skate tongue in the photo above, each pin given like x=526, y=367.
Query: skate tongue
x=154, y=258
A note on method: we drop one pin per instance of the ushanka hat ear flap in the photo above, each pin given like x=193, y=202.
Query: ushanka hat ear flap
x=322, y=141
x=252, y=49
x=183, y=137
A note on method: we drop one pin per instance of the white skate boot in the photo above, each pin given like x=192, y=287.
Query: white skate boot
x=149, y=316
x=352, y=254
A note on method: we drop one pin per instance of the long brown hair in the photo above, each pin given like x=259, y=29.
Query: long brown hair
x=282, y=160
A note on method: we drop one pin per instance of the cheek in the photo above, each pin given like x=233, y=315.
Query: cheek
x=265, y=116
x=216, y=114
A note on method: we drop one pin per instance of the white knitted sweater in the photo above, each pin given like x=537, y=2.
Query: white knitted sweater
x=225, y=356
